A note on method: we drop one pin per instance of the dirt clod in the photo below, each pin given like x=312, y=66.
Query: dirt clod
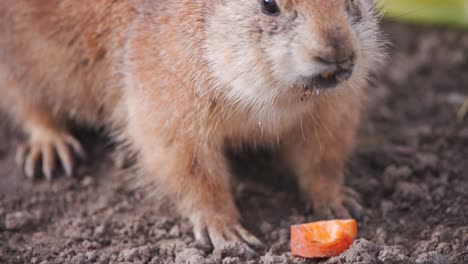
x=431, y=257
x=362, y=251
x=190, y=256
x=19, y=220
x=393, y=175
x=269, y=258
x=410, y=191
x=393, y=255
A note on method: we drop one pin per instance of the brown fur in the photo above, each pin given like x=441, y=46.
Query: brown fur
x=142, y=69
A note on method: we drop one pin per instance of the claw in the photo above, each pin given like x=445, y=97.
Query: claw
x=341, y=212
x=251, y=251
x=249, y=238
x=216, y=237
x=219, y=234
x=201, y=235
x=49, y=147
x=354, y=207
x=229, y=235
x=65, y=157
x=31, y=161
x=76, y=146
x=350, y=192
x=344, y=205
x=48, y=162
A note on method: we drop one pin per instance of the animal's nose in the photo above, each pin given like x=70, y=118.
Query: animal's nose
x=336, y=47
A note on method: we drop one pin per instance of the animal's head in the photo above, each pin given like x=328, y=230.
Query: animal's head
x=268, y=51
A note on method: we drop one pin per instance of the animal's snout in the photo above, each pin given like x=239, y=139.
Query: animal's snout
x=336, y=47
x=336, y=57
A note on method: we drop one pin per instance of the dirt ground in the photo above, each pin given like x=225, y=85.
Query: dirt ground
x=411, y=168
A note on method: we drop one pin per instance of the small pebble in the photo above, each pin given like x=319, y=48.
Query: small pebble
x=87, y=181
x=19, y=220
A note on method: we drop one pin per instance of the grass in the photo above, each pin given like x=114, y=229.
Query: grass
x=431, y=12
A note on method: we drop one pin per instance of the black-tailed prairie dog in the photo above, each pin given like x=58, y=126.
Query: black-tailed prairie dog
x=183, y=80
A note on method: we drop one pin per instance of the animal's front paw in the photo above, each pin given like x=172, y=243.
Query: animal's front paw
x=343, y=203
x=218, y=230
x=46, y=146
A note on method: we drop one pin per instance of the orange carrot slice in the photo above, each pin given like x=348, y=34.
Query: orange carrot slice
x=323, y=239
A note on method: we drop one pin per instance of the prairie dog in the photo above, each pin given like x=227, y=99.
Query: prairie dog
x=182, y=80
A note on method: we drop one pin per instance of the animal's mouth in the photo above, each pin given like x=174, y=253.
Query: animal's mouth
x=327, y=79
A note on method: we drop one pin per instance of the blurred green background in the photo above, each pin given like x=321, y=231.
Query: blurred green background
x=431, y=12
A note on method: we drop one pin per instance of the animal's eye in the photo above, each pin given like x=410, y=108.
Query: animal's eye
x=270, y=7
